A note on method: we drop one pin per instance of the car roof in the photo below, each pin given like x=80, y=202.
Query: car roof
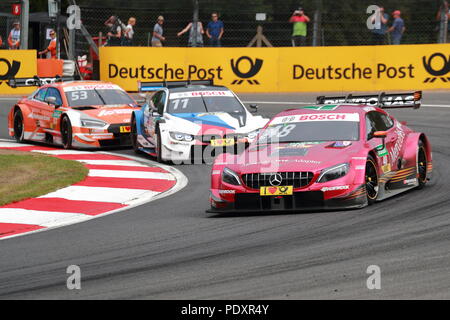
x=77, y=83
x=198, y=88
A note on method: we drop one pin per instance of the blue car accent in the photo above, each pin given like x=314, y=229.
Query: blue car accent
x=202, y=118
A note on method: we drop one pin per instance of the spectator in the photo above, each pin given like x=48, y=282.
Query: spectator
x=51, y=47
x=214, y=30
x=1, y=42
x=128, y=33
x=199, y=36
x=299, y=19
x=114, y=33
x=379, y=33
x=440, y=16
x=158, y=31
x=14, y=36
x=398, y=27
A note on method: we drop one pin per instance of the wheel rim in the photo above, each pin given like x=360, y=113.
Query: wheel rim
x=371, y=180
x=18, y=126
x=422, y=164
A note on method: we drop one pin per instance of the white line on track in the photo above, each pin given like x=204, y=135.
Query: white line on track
x=40, y=218
x=99, y=194
x=131, y=163
x=130, y=174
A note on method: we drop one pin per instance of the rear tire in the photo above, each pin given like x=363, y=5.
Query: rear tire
x=372, y=181
x=66, y=132
x=19, y=131
x=422, y=162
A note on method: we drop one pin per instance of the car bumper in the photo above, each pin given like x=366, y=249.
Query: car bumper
x=299, y=201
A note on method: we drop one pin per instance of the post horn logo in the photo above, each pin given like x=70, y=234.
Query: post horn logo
x=12, y=69
x=255, y=67
x=437, y=73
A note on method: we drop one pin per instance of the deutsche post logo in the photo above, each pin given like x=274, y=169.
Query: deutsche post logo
x=11, y=69
x=255, y=67
x=439, y=72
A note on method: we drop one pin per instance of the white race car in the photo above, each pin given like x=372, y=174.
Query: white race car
x=182, y=121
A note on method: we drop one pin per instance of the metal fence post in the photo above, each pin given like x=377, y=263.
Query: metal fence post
x=443, y=25
x=195, y=24
x=25, y=19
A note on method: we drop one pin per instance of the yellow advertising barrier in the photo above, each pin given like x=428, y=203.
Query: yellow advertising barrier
x=364, y=68
x=17, y=64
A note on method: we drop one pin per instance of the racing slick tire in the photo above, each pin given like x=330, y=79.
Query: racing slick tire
x=371, y=180
x=19, y=131
x=134, y=135
x=158, y=146
x=66, y=132
x=422, y=162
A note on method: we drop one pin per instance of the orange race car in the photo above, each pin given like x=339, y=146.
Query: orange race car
x=75, y=114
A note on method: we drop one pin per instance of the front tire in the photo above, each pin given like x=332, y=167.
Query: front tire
x=18, y=126
x=422, y=163
x=134, y=135
x=158, y=146
x=372, y=181
x=66, y=133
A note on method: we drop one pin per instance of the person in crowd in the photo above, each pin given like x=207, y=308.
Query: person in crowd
x=114, y=32
x=299, y=20
x=158, y=31
x=442, y=12
x=128, y=32
x=1, y=42
x=192, y=36
x=214, y=30
x=398, y=27
x=379, y=32
x=14, y=36
x=51, y=47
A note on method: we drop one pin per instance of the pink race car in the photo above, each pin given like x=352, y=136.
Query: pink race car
x=344, y=152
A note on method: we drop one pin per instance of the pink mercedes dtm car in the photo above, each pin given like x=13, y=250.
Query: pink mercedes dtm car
x=344, y=152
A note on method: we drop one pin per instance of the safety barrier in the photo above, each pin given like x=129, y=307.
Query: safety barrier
x=306, y=69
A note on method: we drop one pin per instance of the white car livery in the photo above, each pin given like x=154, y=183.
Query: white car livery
x=182, y=121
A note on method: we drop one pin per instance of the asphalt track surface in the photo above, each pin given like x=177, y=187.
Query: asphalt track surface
x=172, y=249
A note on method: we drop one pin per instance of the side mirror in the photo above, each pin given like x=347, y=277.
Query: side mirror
x=254, y=108
x=380, y=134
x=52, y=101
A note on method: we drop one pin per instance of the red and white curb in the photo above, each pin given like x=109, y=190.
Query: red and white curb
x=114, y=183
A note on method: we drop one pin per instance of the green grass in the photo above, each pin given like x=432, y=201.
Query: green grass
x=26, y=175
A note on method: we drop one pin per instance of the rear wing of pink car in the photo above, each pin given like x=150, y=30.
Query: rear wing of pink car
x=382, y=100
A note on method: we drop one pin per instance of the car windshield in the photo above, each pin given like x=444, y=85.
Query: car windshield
x=204, y=101
x=94, y=96
x=305, y=128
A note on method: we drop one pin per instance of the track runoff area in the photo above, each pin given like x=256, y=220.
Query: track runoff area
x=171, y=249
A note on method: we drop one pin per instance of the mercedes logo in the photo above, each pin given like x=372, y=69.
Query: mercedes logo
x=275, y=179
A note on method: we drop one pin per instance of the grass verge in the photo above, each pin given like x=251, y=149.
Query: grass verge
x=26, y=175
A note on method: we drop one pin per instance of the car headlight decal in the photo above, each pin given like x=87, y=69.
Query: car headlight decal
x=90, y=123
x=178, y=136
x=231, y=177
x=334, y=172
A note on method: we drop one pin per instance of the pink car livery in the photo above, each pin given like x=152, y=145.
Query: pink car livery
x=344, y=152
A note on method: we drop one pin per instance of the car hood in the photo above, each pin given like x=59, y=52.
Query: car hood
x=110, y=113
x=218, y=123
x=283, y=157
